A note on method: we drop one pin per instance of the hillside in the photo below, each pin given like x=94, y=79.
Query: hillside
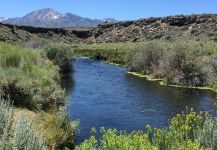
x=166, y=28
x=198, y=27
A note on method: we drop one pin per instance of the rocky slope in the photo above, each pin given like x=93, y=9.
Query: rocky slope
x=167, y=28
x=50, y=18
x=22, y=34
x=198, y=27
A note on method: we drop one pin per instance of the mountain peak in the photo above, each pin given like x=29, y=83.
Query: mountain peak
x=51, y=18
x=44, y=14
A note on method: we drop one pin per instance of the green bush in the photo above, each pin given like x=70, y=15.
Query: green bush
x=29, y=78
x=187, y=63
x=61, y=55
x=144, y=58
x=186, y=131
x=59, y=132
x=181, y=63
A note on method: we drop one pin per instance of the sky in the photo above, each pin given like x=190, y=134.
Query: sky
x=118, y=9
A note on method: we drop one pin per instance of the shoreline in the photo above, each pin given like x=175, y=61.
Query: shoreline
x=160, y=81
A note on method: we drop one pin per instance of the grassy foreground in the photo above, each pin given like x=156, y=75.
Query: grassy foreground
x=179, y=63
x=33, y=114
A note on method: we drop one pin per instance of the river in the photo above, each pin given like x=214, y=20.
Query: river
x=104, y=95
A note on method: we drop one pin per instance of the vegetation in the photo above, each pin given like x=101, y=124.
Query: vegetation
x=61, y=55
x=180, y=63
x=188, y=131
x=29, y=78
x=111, y=52
x=185, y=63
x=32, y=81
x=20, y=135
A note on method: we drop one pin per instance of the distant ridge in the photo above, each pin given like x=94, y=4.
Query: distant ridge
x=50, y=18
x=170, y=28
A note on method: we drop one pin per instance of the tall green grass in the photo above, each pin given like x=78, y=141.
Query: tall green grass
x=29, y=78
x=112, y=52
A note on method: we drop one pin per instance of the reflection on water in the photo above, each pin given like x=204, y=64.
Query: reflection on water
x=67, y=82
x=106, y=96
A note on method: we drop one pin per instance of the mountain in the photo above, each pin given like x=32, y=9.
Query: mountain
x=197, y=27
x=2, y=19
x=109, y=20
x=50, y=18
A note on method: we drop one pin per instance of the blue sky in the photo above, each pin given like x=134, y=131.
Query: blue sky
x=119, y=9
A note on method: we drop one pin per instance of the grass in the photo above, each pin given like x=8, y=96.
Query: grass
x=179, y=63
x=30, y=78
x=32, y=81
x=61, y=55
x=111, y=52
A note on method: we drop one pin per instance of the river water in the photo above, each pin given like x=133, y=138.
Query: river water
x=104, y=95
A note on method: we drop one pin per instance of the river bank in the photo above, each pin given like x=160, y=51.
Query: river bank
x=177, y=64
x=160, y=81
x=106, y=96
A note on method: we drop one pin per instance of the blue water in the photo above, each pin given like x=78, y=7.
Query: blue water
x=104, y=95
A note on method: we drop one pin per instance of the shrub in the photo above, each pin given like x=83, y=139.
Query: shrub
x=25, y=137
x=207, y=136
x=6, y=121
x=188, y=131
x=118, y=140
x=19, y=136
x=144, y=58
x=188, y=63
x=58, y=131
x=181, y=63
x=29, y=78
x=61, y=55
x=36, y=43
